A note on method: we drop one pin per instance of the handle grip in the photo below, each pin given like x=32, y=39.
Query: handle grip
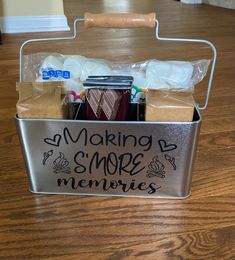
x=120, y=20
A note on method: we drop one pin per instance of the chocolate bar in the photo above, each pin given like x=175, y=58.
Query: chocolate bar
x=110, y=103
x=111, y=78
x=108, y=97
x=94, y=97
x=114, y=81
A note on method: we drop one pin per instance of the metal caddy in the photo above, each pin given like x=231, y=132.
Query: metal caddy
x=112, y=158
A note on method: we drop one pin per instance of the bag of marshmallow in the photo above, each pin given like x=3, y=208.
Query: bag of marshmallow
x=171, y=77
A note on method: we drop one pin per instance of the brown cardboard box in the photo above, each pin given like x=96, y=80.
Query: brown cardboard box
x=42, y=100
x=169, y=106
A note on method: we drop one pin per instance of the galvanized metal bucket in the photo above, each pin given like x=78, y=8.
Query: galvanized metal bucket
x=131, y=158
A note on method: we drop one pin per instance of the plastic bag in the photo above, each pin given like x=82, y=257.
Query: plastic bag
x=42, y=100
x=150, y=74
x=169, y=106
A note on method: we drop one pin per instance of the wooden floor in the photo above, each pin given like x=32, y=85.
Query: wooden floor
x=77, y=227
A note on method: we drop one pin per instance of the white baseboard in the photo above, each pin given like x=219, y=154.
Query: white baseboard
x=26, y=24
x=191, y=1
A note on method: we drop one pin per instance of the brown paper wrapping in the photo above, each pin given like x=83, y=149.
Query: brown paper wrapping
x=169, y=106
x=42, y=100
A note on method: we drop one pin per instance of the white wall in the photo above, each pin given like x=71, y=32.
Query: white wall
x=31, y=7
x=17, y=16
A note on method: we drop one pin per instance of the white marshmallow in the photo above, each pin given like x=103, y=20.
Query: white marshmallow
x=139, y=80
x=72, y=84
x=51, y=62
x=165, y=74
x=74, y=65
x=94, y=68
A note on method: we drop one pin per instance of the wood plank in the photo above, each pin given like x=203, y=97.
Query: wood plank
x=88, y=224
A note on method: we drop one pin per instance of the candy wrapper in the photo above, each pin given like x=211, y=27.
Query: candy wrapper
x=108, y=98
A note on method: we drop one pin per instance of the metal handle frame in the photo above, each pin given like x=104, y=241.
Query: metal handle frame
x=79, y=20
x=194, y=40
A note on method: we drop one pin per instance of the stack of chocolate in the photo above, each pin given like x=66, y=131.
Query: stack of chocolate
x=108, y=97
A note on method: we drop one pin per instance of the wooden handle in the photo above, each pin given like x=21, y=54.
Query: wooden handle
x=120, y=20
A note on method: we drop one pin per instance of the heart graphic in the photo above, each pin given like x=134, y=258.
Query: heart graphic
x=55, y=141
x=166, y=147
